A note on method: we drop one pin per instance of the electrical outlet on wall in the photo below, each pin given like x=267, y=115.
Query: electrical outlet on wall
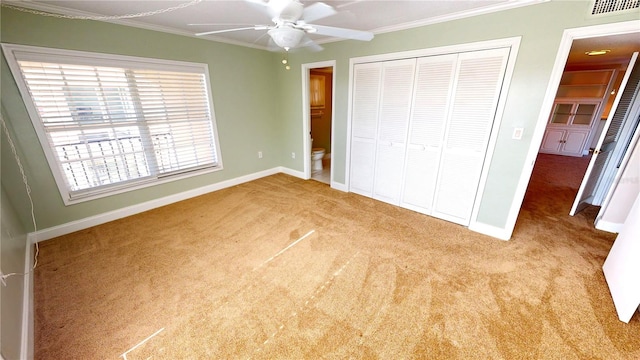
x=259, y=154
x=293, y=155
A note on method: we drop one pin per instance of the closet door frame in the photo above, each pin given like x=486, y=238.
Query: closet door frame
x=513, y=43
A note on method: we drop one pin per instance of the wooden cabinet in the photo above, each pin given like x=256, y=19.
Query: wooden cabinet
x=569, y=127
x=585, y=84
x=576, y=111
x=316, y=91
x=564, y=142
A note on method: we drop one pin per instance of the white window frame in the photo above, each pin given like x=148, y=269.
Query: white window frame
x=52, y=55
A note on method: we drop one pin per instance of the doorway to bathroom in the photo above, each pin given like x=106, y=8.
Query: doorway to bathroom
x=318, y=80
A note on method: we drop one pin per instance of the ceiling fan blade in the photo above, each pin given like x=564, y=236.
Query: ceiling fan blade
x=342, y=33
x=263, y=7
x=317, y=11
x=256, y=27
x=217, y=24
x=309, y=44
x=260, y=37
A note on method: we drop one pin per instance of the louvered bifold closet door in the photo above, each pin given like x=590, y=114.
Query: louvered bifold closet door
x=393, y=123
x=431, y=103
x=478, y=83
x=364, y=125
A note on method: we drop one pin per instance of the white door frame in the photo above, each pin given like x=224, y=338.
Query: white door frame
x=306, y=113
x=568, y=36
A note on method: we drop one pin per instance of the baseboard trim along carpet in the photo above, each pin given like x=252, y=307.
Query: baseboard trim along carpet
x=68, y=228
x=489, y=230
x=609, y=226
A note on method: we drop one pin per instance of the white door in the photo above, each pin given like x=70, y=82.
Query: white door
x=364, y=124
x=431, y=103
x=608, y=141
x=478, y=83
x=393, y=122
x=622, y=268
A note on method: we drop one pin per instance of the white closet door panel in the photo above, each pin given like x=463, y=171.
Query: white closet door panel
x=395, y=102
x=434, y=78
x=455, y=195
x=388, y=175
x=395, y=108
x=431, y=102
x=421, y=170
x=366, y=94
x=362, y=166
x=478, y=84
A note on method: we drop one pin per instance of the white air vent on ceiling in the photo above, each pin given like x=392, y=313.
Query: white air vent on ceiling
x=602, y=7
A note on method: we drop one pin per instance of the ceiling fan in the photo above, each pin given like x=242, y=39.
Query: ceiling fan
x=291, y=24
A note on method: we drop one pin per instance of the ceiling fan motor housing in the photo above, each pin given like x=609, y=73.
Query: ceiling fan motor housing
x=292, y=22
x=286, y=37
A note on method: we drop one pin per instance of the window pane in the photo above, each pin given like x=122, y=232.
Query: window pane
x=102, y=157
x=111, y=126
x=176, y=109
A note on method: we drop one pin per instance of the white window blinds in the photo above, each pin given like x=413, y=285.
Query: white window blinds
x=110, y=124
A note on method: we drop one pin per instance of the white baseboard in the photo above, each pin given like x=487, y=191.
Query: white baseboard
x=88, y=222
x=609, y=226
x=296, y=173
x=490, y=230
x=339, y=186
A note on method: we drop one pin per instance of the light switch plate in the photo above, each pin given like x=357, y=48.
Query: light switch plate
x=517, y=133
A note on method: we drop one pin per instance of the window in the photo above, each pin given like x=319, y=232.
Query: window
x=112, y=123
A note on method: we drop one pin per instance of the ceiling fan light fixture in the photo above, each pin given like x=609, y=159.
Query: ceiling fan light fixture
x=286, y=37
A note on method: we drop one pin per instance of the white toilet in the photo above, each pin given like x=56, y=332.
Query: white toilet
x=316, y=159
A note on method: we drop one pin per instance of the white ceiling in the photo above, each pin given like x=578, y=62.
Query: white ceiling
x=377, y=16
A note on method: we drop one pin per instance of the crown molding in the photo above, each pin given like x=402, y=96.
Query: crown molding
x=126, y=22
x=459, y=15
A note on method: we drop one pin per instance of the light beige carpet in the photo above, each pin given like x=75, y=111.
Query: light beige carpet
x=282, y=268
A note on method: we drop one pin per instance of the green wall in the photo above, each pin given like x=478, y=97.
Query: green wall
x=541, y=27
x=12, y=253
x=258, y=104
x=245, y=105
